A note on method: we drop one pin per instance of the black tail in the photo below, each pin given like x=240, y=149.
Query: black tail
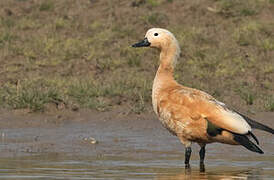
x=253, y=136
x=243, y=140
x=257, y=125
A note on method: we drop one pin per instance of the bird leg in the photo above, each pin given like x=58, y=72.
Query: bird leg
x=187, y=157
x=202, y=158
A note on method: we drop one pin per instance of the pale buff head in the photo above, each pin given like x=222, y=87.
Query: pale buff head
x=161, y=39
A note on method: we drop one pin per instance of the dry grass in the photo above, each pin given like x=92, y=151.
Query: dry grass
x=77, y=53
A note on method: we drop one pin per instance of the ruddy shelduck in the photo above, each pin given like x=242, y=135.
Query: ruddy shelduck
x=190, y=114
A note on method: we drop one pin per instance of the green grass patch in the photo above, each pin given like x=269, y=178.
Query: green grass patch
x=29, y=95
x=239, y=8
x=46, y=5
x=153, y=3
x=155, y=18
x=80, y=54
x=246, y=95
x=270, y=103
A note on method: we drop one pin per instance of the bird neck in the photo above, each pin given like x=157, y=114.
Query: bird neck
x=164, y=76
x=168, y=59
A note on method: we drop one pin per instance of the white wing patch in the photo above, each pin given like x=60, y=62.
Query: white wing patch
x=237, y=122
x=233, y=119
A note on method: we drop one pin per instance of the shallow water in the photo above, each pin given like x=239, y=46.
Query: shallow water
x=125, y=149
x=60, y=166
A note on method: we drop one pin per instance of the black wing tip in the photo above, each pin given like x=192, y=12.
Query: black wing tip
x=254, y=137
x=244, y=141
x=258, y=150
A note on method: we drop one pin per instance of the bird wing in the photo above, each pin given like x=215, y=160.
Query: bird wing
x=204, y=105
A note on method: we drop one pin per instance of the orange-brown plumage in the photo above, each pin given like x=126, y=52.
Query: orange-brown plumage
x=191, y=114
x=185, y=111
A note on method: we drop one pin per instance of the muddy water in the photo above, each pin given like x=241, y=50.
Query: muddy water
x=126, y=149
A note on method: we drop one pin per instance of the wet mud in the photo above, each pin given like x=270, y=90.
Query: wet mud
x=91, y=145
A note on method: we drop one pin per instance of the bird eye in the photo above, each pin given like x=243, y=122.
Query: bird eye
x=155, y=34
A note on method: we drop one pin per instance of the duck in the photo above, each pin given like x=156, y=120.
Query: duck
x=193, y=115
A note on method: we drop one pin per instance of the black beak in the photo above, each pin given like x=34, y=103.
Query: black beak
x=143, y=43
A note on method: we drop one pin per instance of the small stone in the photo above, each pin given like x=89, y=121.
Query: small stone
x=92, y=140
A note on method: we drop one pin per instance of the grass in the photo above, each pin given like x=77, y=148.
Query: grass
x=46, y=6
x=246, y=95
x=79, y=54
x=270, y=104
x=29, y=95
x=238, y=8
x=155, y=19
